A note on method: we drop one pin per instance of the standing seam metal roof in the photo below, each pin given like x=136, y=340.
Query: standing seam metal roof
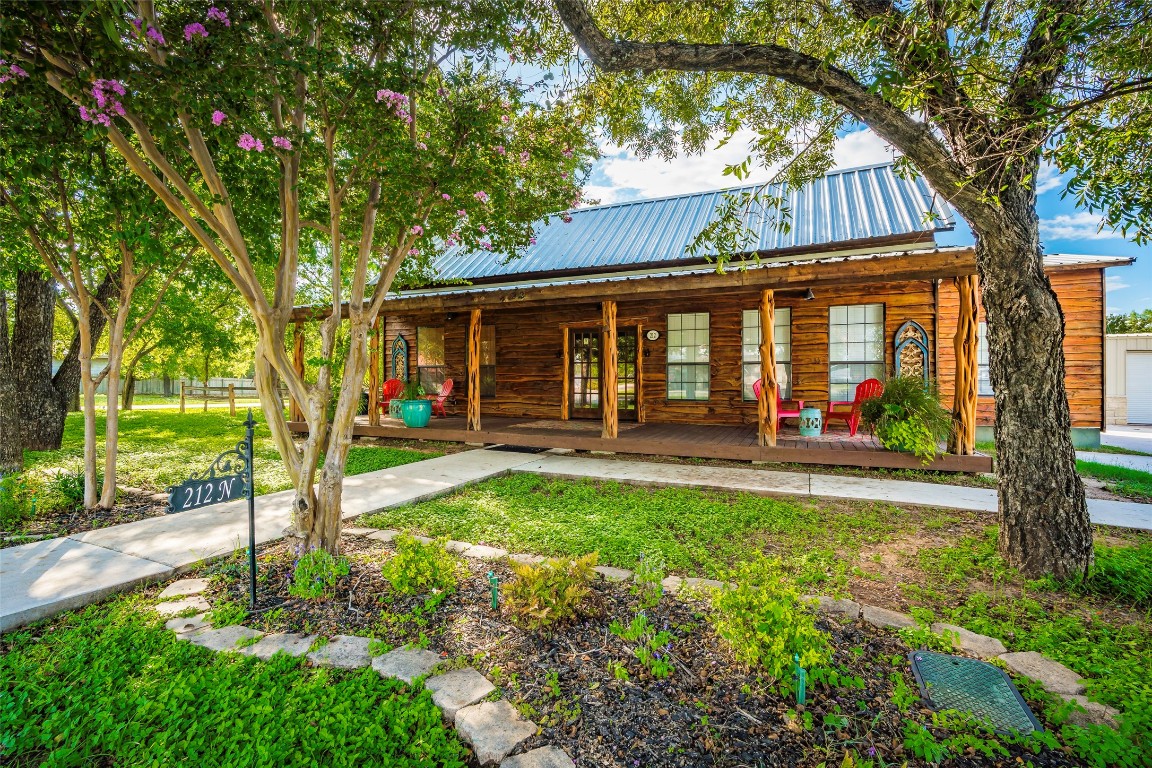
x=842, y=207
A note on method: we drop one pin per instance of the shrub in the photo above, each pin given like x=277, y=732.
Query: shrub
x=412, y=390
x=908, y=417
x=647, y=580
x=764, y=622
x=70, y=485
x=316, y=574
x=17, y=501
x=652, y=647
x=551, y=592
x=419, y=568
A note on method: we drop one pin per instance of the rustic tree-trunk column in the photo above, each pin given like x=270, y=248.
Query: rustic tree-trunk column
x=565, y=378
x=295, y=412
x=474, y=371
x=374, y=374
x=766, y=406
x=962, y=441
x=609, y=357
x=11, y=448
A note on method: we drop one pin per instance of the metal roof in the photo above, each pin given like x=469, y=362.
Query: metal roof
x=1081, y=259
x=840, y=208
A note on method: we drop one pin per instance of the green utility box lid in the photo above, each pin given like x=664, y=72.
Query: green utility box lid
x=968, y=685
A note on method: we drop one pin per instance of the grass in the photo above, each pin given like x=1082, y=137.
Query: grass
x=110, y=686
x=1119, y=450
x=1122, y=481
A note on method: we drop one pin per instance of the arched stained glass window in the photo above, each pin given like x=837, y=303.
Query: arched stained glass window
x=911, y=342
x=400, y=359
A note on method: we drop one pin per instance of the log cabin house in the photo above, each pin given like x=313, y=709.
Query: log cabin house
x=607, y=335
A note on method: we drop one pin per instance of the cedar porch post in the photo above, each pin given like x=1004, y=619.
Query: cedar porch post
x=295, y=413
x=609, y=357
x=374, y=374
x=766, y=405
x=962, y=440
x=474, y=371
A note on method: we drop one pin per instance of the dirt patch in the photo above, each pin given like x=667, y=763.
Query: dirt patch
x=134, y=504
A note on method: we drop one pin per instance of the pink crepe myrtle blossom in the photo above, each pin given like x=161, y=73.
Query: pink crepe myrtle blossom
x=414, y=252
x=532, y=240
x=441, y=92
x=486, y=245
x=15, y=69
x=567, y=153
x=155, y=35
x=194, y=29
x=483, y=228
x=417, y=230
x=564, y=174
x=500, y=150
x=566, y=218
x=421, y=146
x=138, y=23
x=481, y=196
x=524, y=157
x=446, y=196
x=248, y=142
x=503, y=118
x=215, y=14
x=282, y=142
x=218, y=117
x=461, y=212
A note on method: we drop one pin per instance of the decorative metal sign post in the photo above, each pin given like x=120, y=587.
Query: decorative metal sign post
x=228, y=478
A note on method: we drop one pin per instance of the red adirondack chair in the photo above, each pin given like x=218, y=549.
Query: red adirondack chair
x=864, y=390
x=388, y=391
x=438, y=400
x=781, y=413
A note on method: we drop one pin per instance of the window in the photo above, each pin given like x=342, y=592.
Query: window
x=487, y=361
x=782, y=336
x=688, y=369
x=430, y=370
x=983, y=381
x=855, y=348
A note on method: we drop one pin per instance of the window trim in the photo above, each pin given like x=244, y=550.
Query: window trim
x=668, y=364
x=489, y=368
x=442, y=368
x=744, y=363
x=982, y=367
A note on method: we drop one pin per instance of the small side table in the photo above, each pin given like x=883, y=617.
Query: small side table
x=394, y=408
x=811, y=422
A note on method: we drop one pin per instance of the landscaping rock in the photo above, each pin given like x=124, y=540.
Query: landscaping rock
x=981, y=646
x=290, y=643
x=541, y=757
x=384, y=535
x=195, y=623
x=493, y=729
x=672, y=584
x=459, y=547
x=452, y=691
x=886, y=619
x=694, y=583
x=1093, y=713
x=481, y=552
x=173, y=607
x=406, y=664
x=343, y=651
x=849, y=609
x=357, y=531
x=183, y=587
x=613, y=574
x=524, y=559
x=1055, y=677
x=224, y=639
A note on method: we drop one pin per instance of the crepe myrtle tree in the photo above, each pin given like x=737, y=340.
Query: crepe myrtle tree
x=974, y=96
x=367, y=134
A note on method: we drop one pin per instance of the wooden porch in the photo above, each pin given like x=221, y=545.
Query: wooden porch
x=711, y=441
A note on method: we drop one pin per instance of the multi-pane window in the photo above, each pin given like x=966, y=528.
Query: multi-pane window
x=688, y=369
x=430, y=371
x=855, y=348
x=487, y=361
x=782, y=338
x=983, y=380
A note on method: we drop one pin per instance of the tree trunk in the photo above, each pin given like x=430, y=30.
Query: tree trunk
x=40, y=407
x=1043, y=515
x=129, y=389
x=167, y=385
x=67, y=378
x=11, y=447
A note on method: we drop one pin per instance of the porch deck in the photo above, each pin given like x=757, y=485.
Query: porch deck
x=712, y=441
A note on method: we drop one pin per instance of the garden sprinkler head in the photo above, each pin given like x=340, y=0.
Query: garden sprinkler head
x=494, y=584
x=801, y=676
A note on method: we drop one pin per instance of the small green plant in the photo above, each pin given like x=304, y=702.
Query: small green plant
x=379, y=647
x=17, y=501
x=227, y=614
x=907, y=416
x=763, y=620
x=320, y=642
x=418, y=568
x=921, y=636
x=647, y=579
x=70, y=485
x=618, y=670
x=552, y=679
x=553, y=591
x=651, y=647
x=316, y=573
x=244, y=642
x=412, y=390
x=1124, y=573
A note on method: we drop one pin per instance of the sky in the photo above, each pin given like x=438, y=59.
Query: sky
x=620, y=176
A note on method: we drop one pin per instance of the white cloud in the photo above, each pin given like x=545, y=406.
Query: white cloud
x=1048, y=178
x=1076, y=226
x=1115, y=283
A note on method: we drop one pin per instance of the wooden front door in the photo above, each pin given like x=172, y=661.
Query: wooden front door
x=585, y=401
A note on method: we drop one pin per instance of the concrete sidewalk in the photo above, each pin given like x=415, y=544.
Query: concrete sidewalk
x=55, y=575
x=1119, y=513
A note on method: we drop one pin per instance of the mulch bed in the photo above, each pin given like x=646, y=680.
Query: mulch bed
x=135, y=504
x=710, y=712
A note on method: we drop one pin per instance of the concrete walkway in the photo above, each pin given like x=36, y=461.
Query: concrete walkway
x=1119, y=513
x=48, y=577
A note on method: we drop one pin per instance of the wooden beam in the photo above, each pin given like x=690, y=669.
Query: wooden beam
x=473, y=424
x=374, y=374
x=609, y=360
x=565, y=377
x=766, y=406
x=298, y=364
x=639, y=373
x=962, y=440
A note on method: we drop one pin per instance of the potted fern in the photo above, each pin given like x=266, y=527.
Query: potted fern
x=908, y=417
x=414, y=408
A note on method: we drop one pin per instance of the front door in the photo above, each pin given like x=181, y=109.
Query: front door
x=584, y=374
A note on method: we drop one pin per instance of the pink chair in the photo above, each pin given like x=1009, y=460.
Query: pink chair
x=389, y=390
x=438, y=400
x=865, y=390
x=781, y=414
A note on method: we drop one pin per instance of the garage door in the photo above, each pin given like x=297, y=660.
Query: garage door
x=1139, y=386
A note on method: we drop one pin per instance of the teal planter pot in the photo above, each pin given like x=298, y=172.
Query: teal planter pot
x=810, y=422
x=416, y=413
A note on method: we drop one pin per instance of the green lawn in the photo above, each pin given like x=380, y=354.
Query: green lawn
x=110, y=686
x=1119, y=480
